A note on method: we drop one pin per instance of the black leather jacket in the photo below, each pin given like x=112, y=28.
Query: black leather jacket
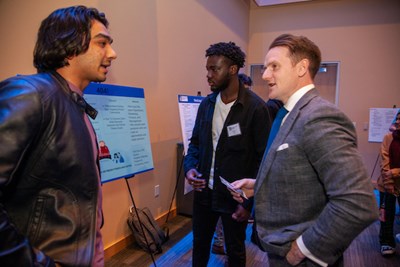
x=48, y=176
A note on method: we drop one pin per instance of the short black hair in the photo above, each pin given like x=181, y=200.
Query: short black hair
x=246, y=80
x=63, y=34
x=229, y=50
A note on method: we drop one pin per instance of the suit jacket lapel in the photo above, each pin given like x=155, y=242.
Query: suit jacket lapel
x=280, y=137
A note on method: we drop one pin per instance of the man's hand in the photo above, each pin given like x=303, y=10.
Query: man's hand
x=241, y=214
x=193, y=178
x=294, y=256
x=247, y=185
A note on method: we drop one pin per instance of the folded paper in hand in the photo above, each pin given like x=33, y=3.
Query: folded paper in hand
x=230, y=187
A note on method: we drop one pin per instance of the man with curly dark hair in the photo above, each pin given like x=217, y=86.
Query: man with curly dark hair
x=228, y=140
x=50, y=195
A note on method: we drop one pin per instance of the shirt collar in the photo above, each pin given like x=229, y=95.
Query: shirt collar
x=293, y=99
x=75, y=88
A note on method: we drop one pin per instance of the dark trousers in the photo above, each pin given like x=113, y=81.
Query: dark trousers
x=386, y=236
x=278, y=261
x=204, y=222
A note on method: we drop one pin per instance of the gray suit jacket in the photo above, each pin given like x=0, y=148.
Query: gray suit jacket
x=313, y=183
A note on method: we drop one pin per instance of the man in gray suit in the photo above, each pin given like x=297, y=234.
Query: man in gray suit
x=313, y=195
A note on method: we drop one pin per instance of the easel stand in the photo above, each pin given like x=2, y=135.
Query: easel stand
x=169, y=211
x=140, y=223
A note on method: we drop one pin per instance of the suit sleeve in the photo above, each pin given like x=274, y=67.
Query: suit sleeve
x=331, y=147
x=20, y=114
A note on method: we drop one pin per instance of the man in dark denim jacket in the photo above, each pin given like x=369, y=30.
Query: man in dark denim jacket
x=228, y=140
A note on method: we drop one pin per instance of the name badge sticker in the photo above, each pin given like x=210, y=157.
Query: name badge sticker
x=233, y=130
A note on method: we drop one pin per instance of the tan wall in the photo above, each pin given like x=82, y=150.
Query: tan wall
x=161, y=46
x=363, y=35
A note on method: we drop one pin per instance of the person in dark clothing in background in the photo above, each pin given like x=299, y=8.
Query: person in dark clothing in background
x=389, y=186
x=246, y=80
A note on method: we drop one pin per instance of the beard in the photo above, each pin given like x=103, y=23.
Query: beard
x=221, y=87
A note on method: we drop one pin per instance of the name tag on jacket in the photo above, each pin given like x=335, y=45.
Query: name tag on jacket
x=233, y=130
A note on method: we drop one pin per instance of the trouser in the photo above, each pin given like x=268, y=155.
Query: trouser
x=278, y=261
x=386, y=235
x=204, y=222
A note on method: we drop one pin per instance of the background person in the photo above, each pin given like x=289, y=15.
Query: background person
x=246, y=80
x=228, y=140
x=389, y=186
x=50, y=195
x=312, y=193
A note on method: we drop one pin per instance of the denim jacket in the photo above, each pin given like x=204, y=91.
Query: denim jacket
x=237, y=156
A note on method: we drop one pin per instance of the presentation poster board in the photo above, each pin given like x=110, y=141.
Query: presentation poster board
x=122, y=130
x=379, y=122
x=188, y=106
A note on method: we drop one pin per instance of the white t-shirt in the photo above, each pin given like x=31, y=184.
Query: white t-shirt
x=220, y=113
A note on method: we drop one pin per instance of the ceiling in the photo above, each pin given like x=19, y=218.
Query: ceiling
x=276, y=2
